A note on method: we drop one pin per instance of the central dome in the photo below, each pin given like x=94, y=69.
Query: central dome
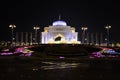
x=59, y=23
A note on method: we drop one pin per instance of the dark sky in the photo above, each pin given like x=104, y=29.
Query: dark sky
x=29, y=13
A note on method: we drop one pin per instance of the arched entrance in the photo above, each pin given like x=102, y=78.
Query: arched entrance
x=59, y=38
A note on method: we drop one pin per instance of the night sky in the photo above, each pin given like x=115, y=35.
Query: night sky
x=93, y=14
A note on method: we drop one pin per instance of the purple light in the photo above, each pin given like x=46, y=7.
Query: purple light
x=26, y=54
x=8, y=53
x=21, y=51
x=61, y=57
x=96, y=55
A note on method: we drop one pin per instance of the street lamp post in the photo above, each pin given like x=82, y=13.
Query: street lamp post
x=12, y=26
x=108, y=34
x=83, y=34
x=36, y=28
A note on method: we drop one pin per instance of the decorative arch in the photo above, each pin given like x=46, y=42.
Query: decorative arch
x=59, y=37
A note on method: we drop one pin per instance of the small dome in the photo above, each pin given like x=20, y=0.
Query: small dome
x=59, y=23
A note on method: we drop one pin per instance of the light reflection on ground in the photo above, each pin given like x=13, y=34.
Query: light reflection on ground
x=60, y=70
x=58, y=65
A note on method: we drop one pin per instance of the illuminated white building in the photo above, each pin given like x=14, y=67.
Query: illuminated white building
x=60, y=33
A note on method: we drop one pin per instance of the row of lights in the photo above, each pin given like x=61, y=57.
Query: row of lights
x=12, y=26
x=85, y=28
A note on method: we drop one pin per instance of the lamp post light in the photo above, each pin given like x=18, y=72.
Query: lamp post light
x=108, y=34
x=12, y=26
x=83, y=34
x=36, y=28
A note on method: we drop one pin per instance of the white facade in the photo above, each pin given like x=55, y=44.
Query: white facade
x=59, y=33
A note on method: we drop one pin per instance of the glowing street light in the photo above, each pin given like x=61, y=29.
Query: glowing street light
x=12, y=26
x=108, y=40
x=36, y=28
x=83, y=34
